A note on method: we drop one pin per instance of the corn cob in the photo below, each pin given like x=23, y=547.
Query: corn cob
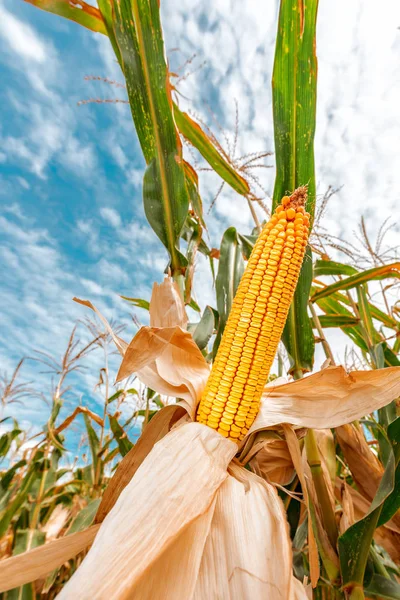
x=231, y=399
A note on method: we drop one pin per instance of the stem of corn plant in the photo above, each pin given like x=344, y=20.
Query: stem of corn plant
x=357, y=593
x=106, y=394
x=317, y=323
x=36, y=511
x=254, y=215
x=314, y=461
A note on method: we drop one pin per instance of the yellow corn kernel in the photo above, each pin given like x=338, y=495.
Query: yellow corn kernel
x=231, y=399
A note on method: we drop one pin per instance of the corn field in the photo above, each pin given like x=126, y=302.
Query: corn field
x=222, y=464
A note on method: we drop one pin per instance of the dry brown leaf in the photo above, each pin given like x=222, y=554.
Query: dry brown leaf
x=328, y=399
x=120, y=343
x=155, y=430
x=294, y=449
x=386, y=536
x=29, y=566
x=248, y=552
x=365, y=467
x=166, y=305
x=321, y=535
x=78, y=410
x=347, y=519
x=169, y=359
x=275, y=462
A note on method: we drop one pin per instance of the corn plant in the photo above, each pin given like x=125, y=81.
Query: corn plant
x=333, y=522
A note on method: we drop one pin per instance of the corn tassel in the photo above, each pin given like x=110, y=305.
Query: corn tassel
x=231, y=399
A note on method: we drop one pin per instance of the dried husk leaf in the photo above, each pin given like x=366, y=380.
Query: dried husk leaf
x=275, y=463
x=167, y=360
x=248, y=552
x=32, y=565
x=166, y=306
x=78, y=410
x=155, y=430
x=327, y=551
x=174, y=574
x=328, y=399
x=295, y=453
x=387, y=535
x=174, y=485
x=365, y=467
x=347, y=519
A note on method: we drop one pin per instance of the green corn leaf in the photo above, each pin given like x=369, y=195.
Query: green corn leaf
x=298, y=334
x=8, y=476
x=205, y=328
x=383, y=317
x=165, y=209
x=94, y=442
x=366, y=318
x=119, y=393
x=85, y=517
x=6, y=440
x=338, y=320
x=192, y=225
x=124, y=444
x=139, y=302
x=106, y=10
x=80, y=12
x=192, y=184
x=137, y=29
x=376, y=313
x=382, y=588
x=294, y=84
x=354, y=544
x=333, y=304
x=230, y=271
x=248, y=242
x=205, y=145
x=13, y=507
x=329, y=267
x=191, y=253
x=392, y=270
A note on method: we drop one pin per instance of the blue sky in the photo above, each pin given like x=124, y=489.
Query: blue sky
x=71, y=219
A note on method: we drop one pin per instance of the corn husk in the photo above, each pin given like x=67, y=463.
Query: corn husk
x=167, y=360
x=275, y=463
x=365, y=467
x=328, y=398
x=189, y=531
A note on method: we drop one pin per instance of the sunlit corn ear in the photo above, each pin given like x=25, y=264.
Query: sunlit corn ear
x=231, y=399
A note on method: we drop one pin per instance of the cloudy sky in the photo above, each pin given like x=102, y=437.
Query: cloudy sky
x=71, y=220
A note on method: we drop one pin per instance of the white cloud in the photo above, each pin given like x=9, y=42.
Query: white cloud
x=22, y=38
x=111, y=216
